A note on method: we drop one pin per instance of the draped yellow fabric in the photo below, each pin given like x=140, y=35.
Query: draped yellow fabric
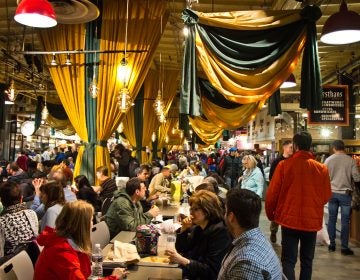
x=243, y=86
x=150, y=121
x=143, y=35
x=245, y=20
x=206, y=130
x=230, y=118
x=69, y=81
x=59, y=124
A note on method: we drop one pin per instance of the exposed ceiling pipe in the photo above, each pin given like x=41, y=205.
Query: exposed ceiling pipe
x=333, y=76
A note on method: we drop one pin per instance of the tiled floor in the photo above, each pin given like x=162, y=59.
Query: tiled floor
x=329, y=266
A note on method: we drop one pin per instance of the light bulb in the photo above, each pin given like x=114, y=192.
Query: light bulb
x=153, y=137
x=44, y=113
x=68, y=61
x=53, y=61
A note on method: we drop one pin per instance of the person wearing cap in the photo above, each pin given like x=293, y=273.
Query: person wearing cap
x=161, y=181
x=232, y=165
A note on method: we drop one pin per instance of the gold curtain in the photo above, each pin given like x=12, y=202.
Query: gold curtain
x=206, y=130
x=243, y=86
x=245, y=20
x=69, y=81
x=143, y=35
x=230, y=118
x=59, y=124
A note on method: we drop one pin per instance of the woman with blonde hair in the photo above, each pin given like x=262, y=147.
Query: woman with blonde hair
x=252, y=178
x=69, y=245
x=203, y=239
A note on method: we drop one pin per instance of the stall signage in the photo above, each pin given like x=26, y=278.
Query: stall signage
x=335, y=107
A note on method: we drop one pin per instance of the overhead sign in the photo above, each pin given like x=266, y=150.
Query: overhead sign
x=335, y=107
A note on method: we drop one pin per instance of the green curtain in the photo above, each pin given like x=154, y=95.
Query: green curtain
x=311, y=90
x=248, y=63
x=274, y=104
x=139, y=122
x=88, y=157
x=189, y=94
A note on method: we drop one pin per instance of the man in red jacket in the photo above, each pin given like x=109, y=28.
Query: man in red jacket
x=298, y=191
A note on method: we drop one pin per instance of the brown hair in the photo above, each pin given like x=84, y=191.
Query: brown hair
x=209, y=203
x=10, y=193
x=103, y=170
x=74, y=222
x=54, y=192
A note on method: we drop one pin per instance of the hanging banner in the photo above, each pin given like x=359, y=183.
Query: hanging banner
x=335, y=107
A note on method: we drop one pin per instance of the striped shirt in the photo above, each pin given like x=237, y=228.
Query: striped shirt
x=251, y=257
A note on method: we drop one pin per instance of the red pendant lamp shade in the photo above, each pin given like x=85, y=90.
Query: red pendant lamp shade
x=35, y=13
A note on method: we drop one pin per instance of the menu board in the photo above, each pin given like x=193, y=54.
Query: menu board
x=335, y=107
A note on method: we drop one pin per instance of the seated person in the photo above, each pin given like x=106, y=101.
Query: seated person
x=62, y=174
x=67, y=248
x=107, y=185
x=160, y=182
x=125, y=212
x=86, y=192
x=18, y=225
x=143, y=173
x=252, y=256
x=52, y=196
x=203, y=239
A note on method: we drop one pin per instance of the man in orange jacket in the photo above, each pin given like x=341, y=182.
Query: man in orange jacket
x=298, y=191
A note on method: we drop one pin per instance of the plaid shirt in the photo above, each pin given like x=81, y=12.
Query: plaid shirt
x=251, y=257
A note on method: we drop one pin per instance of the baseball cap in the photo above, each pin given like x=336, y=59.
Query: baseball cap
x=232, y=149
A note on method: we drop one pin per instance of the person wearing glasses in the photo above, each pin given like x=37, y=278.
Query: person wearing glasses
x=203, y=239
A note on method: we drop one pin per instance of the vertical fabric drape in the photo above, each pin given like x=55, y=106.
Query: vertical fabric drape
x=143, y=35
x=69, y=81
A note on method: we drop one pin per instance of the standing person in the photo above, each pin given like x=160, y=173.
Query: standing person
x=70, y=245
x=252, y=256
x=298, y=191
x=232, y=165
x=22, y=161
x=342, y=170
x=252, y=178
x=287, y=152
x=123, y=157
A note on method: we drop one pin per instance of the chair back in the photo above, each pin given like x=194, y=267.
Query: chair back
x=19, y=267
x=100, y=234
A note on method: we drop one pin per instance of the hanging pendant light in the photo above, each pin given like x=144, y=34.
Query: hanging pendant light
x=45, y=111
x=53, y=61
x=68, y=60
x=290, y=82
x=342, y=27
x=124, y=101
x=11, y=93
x=35, y=13
x=120, y=128
x=153, y=137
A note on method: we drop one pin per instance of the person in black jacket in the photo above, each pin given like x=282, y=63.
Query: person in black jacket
x=86, y=192
x=203, y=239
x=232, y=168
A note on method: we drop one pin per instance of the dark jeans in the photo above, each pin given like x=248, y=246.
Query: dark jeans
x=289, y=252
x=342, y=201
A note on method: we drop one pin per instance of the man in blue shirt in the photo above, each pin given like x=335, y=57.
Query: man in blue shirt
x=251, y=255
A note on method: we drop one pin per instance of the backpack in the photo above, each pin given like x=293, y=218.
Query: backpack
x=133, y=164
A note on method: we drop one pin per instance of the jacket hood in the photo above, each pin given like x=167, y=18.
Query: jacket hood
x=122, y=193
x=48, y=237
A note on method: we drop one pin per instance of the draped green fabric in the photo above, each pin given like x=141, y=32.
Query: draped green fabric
x=274, y=104
x=189, y=95
x=311, y=90
x=88, y=157
x=248, y=50
x=248, y=63
x=139, y=122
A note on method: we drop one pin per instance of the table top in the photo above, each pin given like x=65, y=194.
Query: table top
x=151, y=273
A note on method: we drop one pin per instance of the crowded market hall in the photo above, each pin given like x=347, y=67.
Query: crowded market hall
x=179, y=139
